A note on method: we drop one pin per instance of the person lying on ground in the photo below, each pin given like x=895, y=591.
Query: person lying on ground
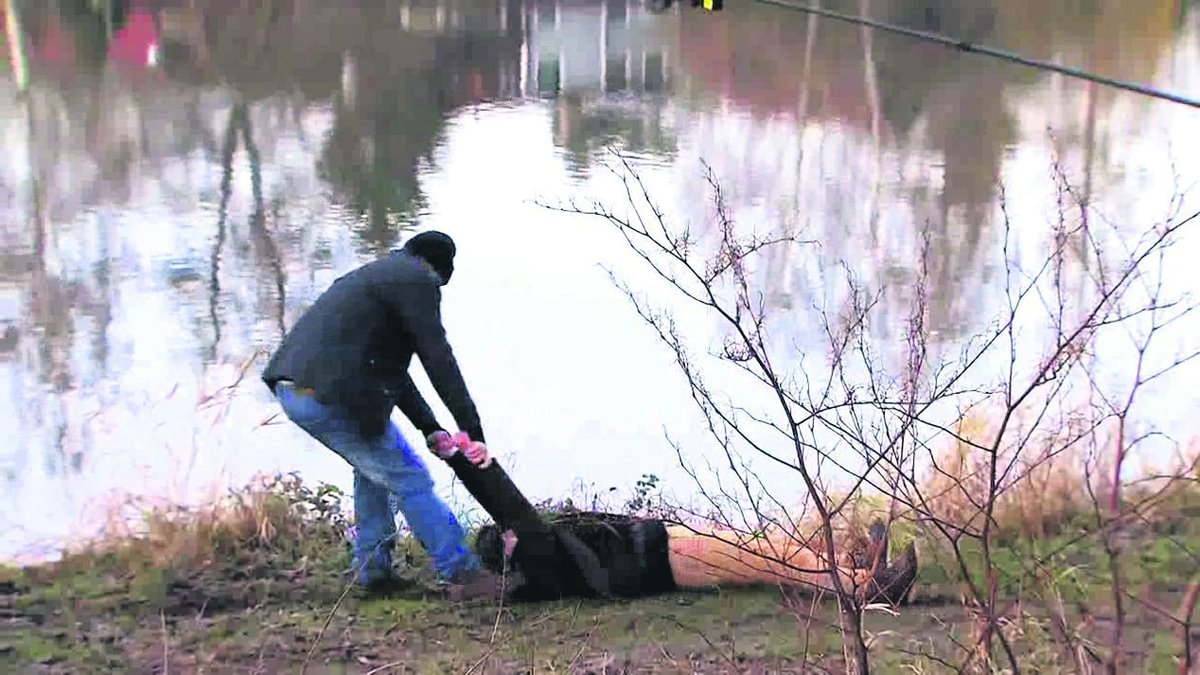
x=646, y=556
x=339, y=372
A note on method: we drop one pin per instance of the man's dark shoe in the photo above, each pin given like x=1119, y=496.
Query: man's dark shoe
x=384, y=586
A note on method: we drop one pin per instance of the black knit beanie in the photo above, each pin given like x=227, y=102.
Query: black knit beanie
x=437, y=249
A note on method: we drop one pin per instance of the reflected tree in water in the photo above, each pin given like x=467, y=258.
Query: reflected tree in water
x=269, y=262
x=53, y=296
x=267, y=254
x=969, y=125
x=582, y=127
x=389, y=114
x=389, y=97
x=49, y=322
x=930, y=100
x=378, y=139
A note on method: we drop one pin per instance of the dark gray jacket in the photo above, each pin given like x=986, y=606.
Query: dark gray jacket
x=354, y=345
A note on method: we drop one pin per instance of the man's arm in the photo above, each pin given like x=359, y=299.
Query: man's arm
x=412, y=404
x=420, y=307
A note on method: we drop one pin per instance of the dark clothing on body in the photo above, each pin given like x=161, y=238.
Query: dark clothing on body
x=590, y=554
x=353, y=347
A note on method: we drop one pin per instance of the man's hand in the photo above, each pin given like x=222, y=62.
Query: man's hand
x=478, y=454
x=444, y=446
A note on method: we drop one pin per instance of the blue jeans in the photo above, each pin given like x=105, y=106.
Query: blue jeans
x=389, y=478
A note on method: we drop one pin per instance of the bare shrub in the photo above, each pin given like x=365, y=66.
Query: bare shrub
x=1009, y=439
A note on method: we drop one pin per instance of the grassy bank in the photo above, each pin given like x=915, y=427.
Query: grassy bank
x=258, y=584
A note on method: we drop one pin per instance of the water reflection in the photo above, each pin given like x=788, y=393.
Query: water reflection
x=186, y=176
x=834, y=118
x=607, y=65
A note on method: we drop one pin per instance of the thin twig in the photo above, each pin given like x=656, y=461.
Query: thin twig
x=1186, y=608
x=480, y=661
x=699, y=633
x=166, y=642
x=583, y=645
x=386, y=666
x=500, y=606
x=324, y=626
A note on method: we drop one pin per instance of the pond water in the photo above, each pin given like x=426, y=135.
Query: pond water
x=185, y=177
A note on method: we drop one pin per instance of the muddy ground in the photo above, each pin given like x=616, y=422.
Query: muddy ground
x=259, y=585
x=240, y=616
x=270, y=625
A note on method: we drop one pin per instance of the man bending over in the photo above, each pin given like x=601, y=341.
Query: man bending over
x=339, y=372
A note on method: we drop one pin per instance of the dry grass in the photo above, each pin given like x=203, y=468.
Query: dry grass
x=273, y=515
x=277, y=548
x=1046, y=486
x=1050, y=483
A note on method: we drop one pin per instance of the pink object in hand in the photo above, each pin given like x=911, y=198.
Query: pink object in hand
x=445, y=445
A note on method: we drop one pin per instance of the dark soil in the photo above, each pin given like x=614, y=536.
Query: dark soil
x=229, y=595
x=81, y=618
